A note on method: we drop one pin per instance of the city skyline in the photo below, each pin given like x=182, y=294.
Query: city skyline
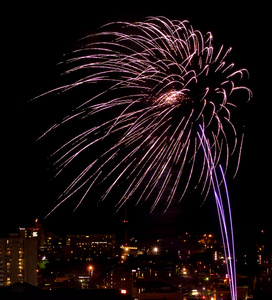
x=170, y=267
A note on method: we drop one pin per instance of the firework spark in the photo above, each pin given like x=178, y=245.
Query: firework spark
x=149, y=86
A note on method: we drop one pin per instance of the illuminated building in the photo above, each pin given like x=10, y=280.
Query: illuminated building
x=127, y=251
x=52, y=246
x=37, y=231
x=18, y=260
x=90, y=247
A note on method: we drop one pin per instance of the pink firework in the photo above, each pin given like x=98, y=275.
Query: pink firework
x=142, y=91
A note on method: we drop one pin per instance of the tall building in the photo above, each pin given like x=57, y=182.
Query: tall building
x=18, y=260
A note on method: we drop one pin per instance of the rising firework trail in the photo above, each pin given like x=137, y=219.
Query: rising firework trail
x=224, y=215
x=157, y=100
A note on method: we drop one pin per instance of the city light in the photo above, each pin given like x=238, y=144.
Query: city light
x=155, y=250
x=90, y=269
x=195, y=292
x=184, y=271
x=118, y=277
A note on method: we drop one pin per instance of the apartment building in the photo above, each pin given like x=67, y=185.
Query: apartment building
x=18, y=260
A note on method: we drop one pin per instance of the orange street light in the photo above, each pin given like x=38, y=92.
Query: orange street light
x=90, y=269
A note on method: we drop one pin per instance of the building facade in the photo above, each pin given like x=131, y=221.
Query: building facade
x=18, y=260
x=91, y=247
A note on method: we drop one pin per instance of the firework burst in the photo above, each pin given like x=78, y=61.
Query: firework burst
x=146, y=88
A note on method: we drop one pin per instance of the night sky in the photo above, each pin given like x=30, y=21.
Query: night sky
x=35, y=39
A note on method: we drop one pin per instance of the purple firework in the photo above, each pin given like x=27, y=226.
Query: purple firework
x=145, y=89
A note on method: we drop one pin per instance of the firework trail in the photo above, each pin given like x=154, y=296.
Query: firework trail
x=149, y=86
x=225, y=216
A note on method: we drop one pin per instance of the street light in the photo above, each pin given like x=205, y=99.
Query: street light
x=90, y=270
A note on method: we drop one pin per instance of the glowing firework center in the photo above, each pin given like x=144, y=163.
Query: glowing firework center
x=172, y=98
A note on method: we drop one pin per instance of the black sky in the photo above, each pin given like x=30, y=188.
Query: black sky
x=35, y=39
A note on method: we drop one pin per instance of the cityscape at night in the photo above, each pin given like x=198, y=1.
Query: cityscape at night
x=136, y=152
x=188, y=266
